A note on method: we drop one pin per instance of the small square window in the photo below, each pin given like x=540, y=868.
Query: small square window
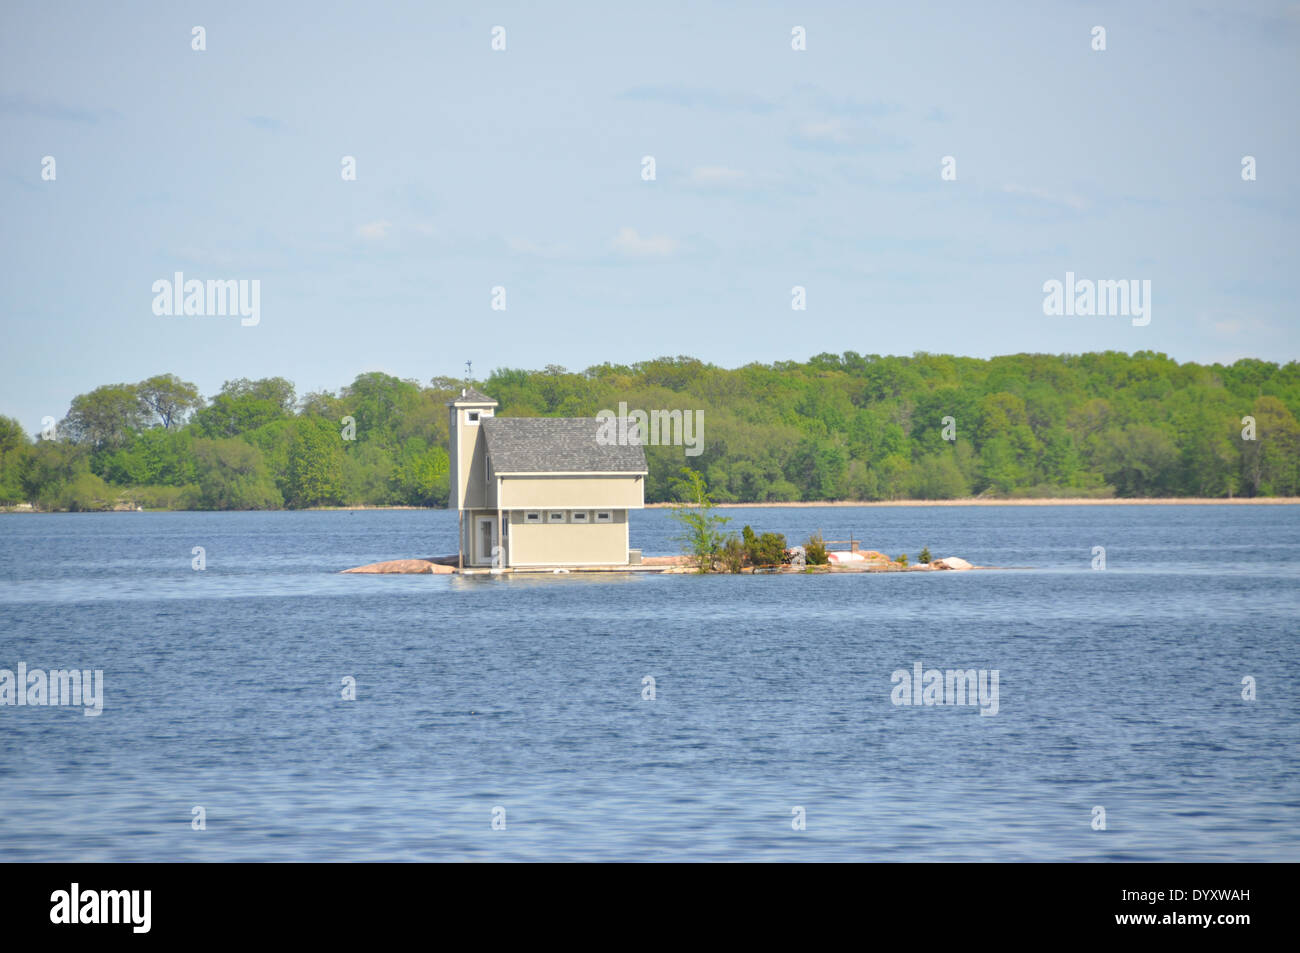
x=533, y=517
x=471, y=416
x=555, y=516
x=580, y=516
x=604, y=516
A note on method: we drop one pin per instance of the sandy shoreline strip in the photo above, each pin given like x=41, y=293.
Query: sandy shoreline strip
x=1064, y=501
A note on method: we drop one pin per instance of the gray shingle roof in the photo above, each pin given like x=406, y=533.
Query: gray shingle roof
x=556, y=445
x=477, y=396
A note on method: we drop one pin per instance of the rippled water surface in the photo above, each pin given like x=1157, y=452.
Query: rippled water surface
x=1119, y=689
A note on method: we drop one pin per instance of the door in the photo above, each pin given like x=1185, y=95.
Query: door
x=486, y=540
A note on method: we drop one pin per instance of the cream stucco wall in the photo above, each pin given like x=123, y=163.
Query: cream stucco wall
x=568, y=543
x=617, y=491
x=468, y=458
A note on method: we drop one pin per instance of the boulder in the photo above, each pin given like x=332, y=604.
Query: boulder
x=951, y=562
x=665, y=560
x=404, y=566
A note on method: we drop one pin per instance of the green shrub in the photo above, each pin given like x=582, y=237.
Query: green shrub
x=902, y=559
x=232, y=476
x=161, y=497
x=732, y=554
x=815, y=550
x=86, y=492
x=925, y=555
x=765, y=550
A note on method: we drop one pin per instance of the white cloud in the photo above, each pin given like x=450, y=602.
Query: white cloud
x=1068, y=199
x=375, y=230
x=826, y=130
x=629, y=242
x=526, y=246
x=716, y=175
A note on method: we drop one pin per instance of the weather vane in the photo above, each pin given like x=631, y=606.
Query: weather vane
x=468, y=376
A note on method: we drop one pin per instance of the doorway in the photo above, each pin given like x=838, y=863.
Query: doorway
x=485, y=540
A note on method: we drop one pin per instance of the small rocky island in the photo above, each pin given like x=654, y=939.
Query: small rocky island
x=853, y=560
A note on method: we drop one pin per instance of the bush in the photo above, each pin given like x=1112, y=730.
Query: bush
x=765, y=550
x=732, y=554
x=902, y=559
x=232, y=476
x=162, y=497
x=924, y=558
x=85, y=493
x=815, y=550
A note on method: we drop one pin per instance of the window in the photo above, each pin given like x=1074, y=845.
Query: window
x=579, y=516
x=471, y=416
x=533, y=517
x=555, y=516
x=604, y=516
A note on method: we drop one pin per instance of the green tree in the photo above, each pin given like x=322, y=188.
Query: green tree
x=244, y=405
x=765, y=550
x=1138, y=460
x=106, y=418
x=232, y=476
x=48, y=467
x=1271, y=462
x=936, y=476
x=315, y=473
x=814, y=549
x=701, y=528
x=169, y=399
x=13, y=451
x=421, y=475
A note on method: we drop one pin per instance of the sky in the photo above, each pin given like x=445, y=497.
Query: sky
x=522, y=168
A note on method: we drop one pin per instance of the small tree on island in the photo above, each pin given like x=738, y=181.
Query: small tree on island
x=732, y=554
x=925, y=555
x=815, y=550
x=701, y=534
x=765, y=550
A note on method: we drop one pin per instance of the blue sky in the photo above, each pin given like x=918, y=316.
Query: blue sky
x=522, y=168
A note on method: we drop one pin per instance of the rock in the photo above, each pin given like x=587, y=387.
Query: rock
x=404, y=567
x=951, y=562
x=665, y=560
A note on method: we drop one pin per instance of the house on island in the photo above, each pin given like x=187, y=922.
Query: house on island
x=540, y=492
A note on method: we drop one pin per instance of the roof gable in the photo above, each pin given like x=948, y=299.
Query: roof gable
x=468, y=395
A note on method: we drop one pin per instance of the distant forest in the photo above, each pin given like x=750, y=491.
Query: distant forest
x=835, y=427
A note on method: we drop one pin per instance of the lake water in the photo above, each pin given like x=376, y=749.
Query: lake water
x=1119, y=689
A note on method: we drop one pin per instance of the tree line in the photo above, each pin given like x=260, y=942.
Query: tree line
x=835, y=427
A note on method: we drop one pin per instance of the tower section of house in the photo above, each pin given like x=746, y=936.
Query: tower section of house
x=541, y=491
x=469, y=483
